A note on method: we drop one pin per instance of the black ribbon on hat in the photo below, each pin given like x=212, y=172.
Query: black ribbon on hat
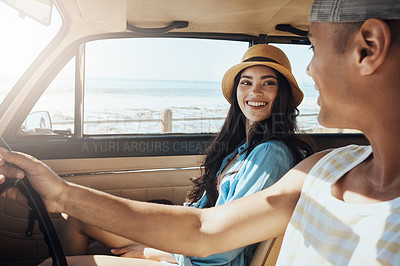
x=260, y=59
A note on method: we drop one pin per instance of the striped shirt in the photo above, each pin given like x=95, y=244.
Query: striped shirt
x=324, y=230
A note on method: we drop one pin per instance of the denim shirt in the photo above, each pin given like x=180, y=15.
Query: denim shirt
x=265, y=165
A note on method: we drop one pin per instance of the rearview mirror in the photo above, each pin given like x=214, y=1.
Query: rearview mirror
x=39, y=10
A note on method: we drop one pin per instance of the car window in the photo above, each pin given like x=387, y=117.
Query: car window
x=157, y=85
x=169, y=85
x=58, y=101
x=161, y=85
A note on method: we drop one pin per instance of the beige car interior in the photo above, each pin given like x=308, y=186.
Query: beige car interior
x=139, y=178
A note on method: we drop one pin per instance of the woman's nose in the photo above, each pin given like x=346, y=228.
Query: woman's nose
x=256, y=89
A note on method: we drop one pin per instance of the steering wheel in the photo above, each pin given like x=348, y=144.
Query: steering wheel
x=39, y=210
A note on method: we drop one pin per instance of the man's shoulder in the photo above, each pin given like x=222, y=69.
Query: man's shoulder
x=307, y=164
x=350, y=152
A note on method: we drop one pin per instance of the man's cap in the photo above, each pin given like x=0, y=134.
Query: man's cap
x=354, y=10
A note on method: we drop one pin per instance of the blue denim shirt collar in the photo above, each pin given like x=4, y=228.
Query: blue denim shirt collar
x=241, y=150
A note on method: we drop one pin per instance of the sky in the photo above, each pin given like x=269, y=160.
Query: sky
x=163, y=59
x=23, y=39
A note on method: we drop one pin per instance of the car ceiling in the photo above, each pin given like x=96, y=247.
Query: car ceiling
x=250, y=17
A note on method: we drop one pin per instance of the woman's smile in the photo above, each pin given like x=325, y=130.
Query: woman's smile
x=256, y=104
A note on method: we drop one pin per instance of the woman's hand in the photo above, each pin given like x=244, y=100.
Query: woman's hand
x=43, y=179
x=143, y=252
x=131, y=251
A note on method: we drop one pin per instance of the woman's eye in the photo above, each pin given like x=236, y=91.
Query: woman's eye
x=245, y=82
x=270, y=83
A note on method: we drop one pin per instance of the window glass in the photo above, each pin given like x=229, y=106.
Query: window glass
x=58, y=102
x=22, y=39
x=161, y=85
x=157, y=85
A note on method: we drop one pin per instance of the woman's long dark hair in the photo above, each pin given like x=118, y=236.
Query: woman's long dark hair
x=281, y=125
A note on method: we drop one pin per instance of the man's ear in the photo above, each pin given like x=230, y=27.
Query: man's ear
x=373, y=45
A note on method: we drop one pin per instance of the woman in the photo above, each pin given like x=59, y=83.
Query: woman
x=256, y=146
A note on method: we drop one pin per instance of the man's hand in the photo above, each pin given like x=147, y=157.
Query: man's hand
x=43, y=179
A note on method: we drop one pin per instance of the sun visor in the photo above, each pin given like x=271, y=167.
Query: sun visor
x=109, y=15
x=39, y=10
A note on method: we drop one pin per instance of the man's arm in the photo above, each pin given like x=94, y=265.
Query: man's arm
x=176, y=229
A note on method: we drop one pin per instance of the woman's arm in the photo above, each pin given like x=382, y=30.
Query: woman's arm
x=176, y=229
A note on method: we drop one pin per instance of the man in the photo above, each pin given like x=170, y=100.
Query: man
x=338, y=207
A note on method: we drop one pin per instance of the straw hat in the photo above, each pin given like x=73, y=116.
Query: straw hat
x=265, y=55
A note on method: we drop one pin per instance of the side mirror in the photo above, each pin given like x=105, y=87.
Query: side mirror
x=38, y=122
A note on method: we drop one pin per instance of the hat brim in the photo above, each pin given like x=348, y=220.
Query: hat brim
x=229, y=78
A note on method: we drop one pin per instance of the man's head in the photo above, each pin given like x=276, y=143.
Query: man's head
x=352, y=40
x=343, y=31
x=347, y=17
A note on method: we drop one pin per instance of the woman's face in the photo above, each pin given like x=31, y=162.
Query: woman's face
x=257, y=90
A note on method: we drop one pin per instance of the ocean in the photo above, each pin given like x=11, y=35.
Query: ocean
x=126, y=106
